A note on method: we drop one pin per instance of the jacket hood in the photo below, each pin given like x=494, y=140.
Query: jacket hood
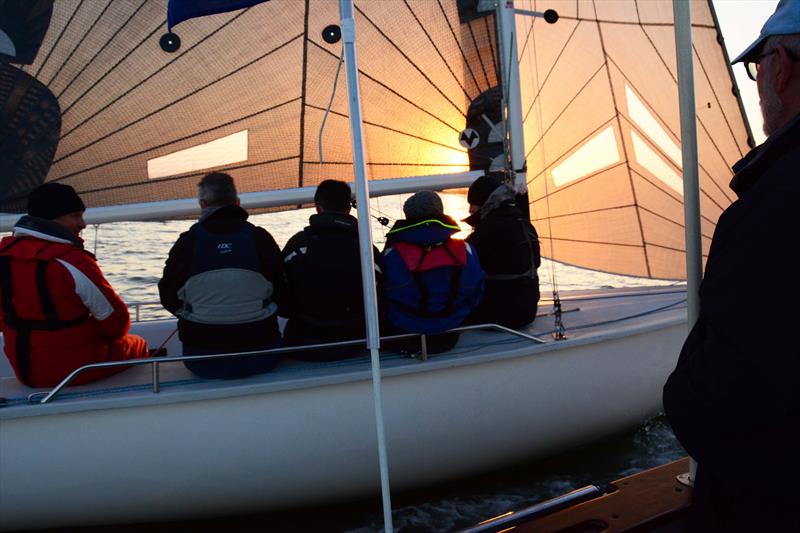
x=423, y=232
x=502, y=196
x=46, y=230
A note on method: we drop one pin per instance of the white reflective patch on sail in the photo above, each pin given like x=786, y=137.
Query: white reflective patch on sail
x=649, y=159
x=597, y=153
x=224, y=151
x=648, y=124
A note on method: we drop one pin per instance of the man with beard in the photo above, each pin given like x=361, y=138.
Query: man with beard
x=733, y=400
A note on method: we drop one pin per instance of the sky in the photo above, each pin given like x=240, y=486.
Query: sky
x=741, y=22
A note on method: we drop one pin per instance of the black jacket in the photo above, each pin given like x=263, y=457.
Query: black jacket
x=178, y=269
x=734, y=398
x=508, y=248
x=323, y=271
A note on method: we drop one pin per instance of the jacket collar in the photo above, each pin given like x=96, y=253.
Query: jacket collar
x=751, y=167
x=46, y=230
x=225, y=210
x=333, y=221
x=502, y=196
x=424, y=231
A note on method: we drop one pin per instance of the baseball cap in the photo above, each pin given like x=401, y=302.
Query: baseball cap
x=784, y=21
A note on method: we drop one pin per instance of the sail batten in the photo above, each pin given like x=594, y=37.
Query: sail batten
x=602, y=134
x=249, y=89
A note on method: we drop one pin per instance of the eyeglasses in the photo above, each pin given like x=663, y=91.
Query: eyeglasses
x=752, y=65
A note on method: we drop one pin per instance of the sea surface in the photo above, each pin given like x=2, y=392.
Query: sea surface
x=132, y=256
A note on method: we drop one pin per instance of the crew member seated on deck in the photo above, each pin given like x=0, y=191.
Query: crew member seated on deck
x=57, y=311
x=325, y=300
x=508, y=247
x=432, y=282
x=222, y=280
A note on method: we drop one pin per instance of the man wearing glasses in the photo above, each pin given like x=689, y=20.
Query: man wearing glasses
x=734, y=398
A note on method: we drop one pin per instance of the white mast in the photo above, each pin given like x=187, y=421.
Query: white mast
x=509, y=68
x=691, y=188
x=365, y=242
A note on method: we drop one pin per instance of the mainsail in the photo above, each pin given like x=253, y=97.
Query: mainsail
x=602, y=132
x=247, y=91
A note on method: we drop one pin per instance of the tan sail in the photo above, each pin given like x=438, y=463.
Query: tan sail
x=247, y=91
x=602, y=134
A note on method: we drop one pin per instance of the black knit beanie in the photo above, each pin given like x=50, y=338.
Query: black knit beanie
x=52, y=200
x=482, y=188
x=423, y=204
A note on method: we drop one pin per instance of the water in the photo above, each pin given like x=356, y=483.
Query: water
x=132, y=256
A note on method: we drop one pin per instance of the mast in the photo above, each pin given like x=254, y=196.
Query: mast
x=515, y=140
x=691, y=188
x=365, y=242
x=509, y=72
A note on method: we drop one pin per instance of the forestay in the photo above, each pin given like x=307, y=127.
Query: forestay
x=602, y=132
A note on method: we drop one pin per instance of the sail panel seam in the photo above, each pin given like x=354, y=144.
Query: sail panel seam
x=153, y=74
x=389, y=89
x=78, y=45
x=99, y=51
x=112, y=69
x=408, y=59
x=663, y=123
x=58, y=39
x=619, y=128
x=480, y=59
x=192, y=175
x=436, y=48
x=170, y=104
x=564, y=110
x=549, y=72
x=162, y=145
x=394, y=130
x=668, y=193
x=495, y=66
x=460, y=48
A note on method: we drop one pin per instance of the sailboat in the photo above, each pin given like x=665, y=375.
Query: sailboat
x=581, y=110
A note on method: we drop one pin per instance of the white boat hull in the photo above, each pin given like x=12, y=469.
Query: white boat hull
x=212, y=448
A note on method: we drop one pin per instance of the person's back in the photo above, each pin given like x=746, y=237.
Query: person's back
x=324, y=301
x=57, y=311
x=222, y=280
x=508, y=247
x=431, y=281
x=733, y=399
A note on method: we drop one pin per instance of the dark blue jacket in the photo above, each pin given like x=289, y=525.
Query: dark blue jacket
x=431, y=282
x=733, y=400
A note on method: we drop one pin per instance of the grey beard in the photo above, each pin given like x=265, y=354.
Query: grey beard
x=771, y=111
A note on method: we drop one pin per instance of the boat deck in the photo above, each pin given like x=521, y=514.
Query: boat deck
x=587, y=315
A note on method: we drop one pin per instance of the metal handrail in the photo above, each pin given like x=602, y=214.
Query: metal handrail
x=157, y=361
x=137, y=307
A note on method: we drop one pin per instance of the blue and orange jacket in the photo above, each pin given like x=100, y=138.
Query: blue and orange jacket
x=432, y=282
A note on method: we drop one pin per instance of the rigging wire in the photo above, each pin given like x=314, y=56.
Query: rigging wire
x=328, y=110
x=384, y=220
x=96, y=234
x=559, y=332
